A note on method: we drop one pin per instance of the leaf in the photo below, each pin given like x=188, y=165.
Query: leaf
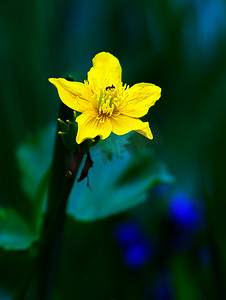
x=34, y=156
x=116, y=185
x=34, y=159
x=115, y=145
x=15, y=233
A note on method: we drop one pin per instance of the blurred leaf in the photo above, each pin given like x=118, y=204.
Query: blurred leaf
x=39, y=201
x=116, y=185
x=144, y=165
x=115, y=145
x=34, y=157
x=15, y=233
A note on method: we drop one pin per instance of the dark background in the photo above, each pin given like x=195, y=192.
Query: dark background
x=173, y=245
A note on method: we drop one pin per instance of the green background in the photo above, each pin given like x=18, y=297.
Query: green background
x=177, y=45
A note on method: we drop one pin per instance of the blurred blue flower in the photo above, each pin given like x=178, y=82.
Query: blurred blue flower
x=127, y=233
x=136, y=249
x=136, y=255
x=186, y=213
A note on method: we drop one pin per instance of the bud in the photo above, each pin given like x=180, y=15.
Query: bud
x=68, y=133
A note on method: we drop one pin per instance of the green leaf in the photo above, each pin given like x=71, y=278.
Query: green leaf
x=34, y=156
x=15, y=233
x=68, y=133
x=116, y=185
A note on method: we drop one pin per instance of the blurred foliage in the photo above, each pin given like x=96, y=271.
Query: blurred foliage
x=132, y=172
x=178, y=45
x=15, y=234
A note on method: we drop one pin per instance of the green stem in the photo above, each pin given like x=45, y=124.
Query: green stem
x=65, y=166
x=50, y=250
x=64, y=170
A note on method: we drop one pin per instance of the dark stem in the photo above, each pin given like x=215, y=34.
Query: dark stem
x=65, y=166
x=50, y=250
x=64, y=170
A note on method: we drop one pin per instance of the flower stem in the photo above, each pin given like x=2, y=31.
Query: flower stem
x=65, y=166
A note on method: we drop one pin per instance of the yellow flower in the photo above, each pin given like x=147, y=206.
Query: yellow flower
x=105, y=103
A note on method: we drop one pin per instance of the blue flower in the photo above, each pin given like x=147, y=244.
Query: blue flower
x=135, y=247
x=136, y=255
x=127, y=233
x=186, y=213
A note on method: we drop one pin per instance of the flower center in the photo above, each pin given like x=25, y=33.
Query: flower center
x=106, y=100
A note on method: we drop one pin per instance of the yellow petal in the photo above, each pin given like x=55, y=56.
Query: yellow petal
x=122, y=124
x=75, y=95
x=89, y=126
x=146, y=131
x=139, y=98
x=106, y=71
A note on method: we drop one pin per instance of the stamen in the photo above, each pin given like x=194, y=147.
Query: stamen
x=106, y=100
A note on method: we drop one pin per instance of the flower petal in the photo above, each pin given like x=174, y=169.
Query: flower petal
x=106, y=71
x=146, y=131
x=75, y=95
x=139, y=98
x=122, y=124
x=89, y=127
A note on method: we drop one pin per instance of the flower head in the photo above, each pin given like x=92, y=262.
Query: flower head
x=105, y=103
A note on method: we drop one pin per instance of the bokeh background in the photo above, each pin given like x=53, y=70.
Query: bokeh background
x=172, y=244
